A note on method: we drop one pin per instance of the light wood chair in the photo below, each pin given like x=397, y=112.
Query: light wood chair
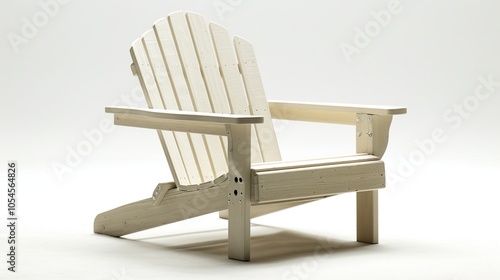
x=208, y=105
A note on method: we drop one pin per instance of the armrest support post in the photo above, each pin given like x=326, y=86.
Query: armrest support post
x=372, y=133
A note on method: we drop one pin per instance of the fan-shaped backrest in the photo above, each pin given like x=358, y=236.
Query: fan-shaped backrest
x=183, y=63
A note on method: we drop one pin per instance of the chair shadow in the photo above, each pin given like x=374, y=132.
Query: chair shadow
x=268, y=244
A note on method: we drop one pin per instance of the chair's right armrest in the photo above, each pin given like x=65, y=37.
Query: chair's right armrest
x=328, y=112
x=183, y=121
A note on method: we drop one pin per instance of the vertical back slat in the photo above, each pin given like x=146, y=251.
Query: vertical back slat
x=164, y=86
x=209, y=66
x=181, y=90
x=153, y=99
x=184, y=63
x=188, y=58
x=257, y=99
x=228, y=65
x=208, y=63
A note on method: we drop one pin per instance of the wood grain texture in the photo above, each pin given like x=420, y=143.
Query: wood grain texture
x=230, y=73
x=283, y=165
x=367, y=217
x=186, y=116
x=261, y=209
x=257, y=100
x=371, y=138
x=209, y=67
x=153, y=98
x=175, y=206
x=181, y=143
x=175, y=68
x=311, y=110
x=214, y=162
x=239, y=192
x=289, y=184
x=170, y=125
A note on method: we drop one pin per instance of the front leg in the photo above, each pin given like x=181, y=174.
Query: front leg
x=239, y=192
x=367, y=217
x=372, y=137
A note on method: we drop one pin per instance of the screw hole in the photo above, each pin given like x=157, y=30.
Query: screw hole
x=235, y=192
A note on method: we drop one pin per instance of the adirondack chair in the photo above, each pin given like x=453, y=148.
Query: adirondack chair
x=207, y=102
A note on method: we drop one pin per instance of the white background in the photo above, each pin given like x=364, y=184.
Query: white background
x=438, y=214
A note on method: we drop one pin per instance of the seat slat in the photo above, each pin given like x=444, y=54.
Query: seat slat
x=158, y=66
x=154, y=100
x=197, y=90
x=257, y=99
x=233, y=82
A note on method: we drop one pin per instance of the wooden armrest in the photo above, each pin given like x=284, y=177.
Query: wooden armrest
x=328, y=112
x=183, y=121
x=187, y=115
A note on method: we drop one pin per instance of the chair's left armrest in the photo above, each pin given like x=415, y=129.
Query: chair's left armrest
x=328, y=112
x=372, y=122
x=184, y=121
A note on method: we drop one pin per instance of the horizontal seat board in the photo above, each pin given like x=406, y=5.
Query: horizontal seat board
x=187, y=115
x=271, y=166
x=288, y=184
